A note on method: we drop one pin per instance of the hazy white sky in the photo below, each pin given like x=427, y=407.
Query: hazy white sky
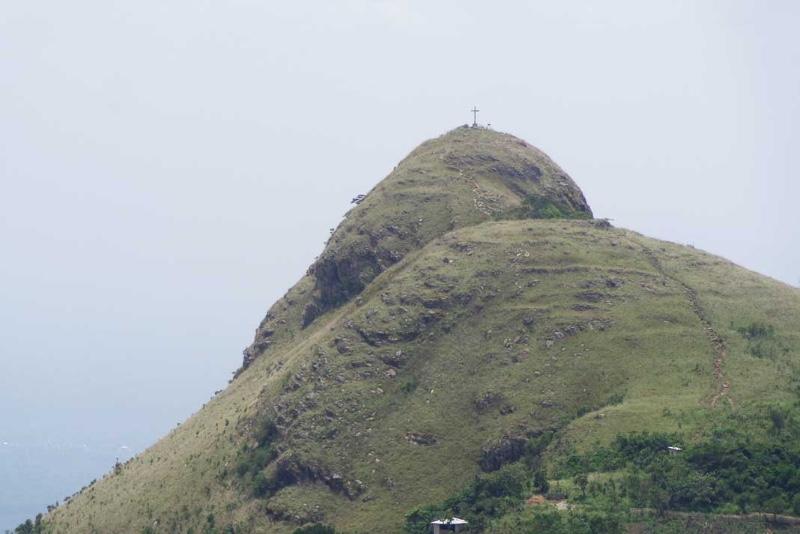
x=168, y=169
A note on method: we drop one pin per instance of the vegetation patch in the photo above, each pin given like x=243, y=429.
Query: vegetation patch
x=31, y=527
x=504, y=289
x=660, y=474
x=493, y=494
x=761, y=340
x=487, y=497
x=541, y=207
x=730, y=473
x=252, y=460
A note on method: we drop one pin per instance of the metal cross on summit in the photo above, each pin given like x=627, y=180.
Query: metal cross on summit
x=475, y=111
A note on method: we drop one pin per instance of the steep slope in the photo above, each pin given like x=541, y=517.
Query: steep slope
x=462, y=178
x=409, y=360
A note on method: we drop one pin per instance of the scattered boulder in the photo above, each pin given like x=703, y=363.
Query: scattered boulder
x=341, y=345
x=576, y=328
x=421, y=438
x=395, y=359
x=507, y=409
x=488, y=400
x=602, y=224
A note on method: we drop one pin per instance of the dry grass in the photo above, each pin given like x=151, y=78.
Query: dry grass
x=553, y=318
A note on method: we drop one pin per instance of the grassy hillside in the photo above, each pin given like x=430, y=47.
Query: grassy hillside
x=493, y=341
x=459, y=179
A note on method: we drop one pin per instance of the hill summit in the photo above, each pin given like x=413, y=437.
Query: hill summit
x=472, y=342
x=465, y=177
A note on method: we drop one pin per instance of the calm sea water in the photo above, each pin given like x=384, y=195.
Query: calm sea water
x=33, y=475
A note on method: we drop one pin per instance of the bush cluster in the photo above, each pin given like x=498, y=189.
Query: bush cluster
x=252, y=460
x=761, y=340
x=31, y=527
x=729, y=473
x=540, y=207
x=487, y=497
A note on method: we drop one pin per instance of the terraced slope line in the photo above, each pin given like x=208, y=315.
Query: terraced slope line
x=717, y=341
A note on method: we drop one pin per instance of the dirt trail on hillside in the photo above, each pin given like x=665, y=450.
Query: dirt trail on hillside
x=720, y=348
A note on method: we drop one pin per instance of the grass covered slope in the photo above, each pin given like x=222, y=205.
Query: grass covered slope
x=501, y=330
x=462, y=178
x=496, y=345
x=459, y=179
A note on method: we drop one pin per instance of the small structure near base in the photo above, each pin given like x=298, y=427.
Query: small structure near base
x=454, y=524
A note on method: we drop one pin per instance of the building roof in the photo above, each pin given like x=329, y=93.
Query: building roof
x=451, y=521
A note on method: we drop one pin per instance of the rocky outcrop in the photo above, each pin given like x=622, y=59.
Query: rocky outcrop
x=506, y=450
x=342, y=274
x=421, y=438
x=291, y=469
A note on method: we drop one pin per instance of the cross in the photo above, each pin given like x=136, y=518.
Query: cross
x=475, y=111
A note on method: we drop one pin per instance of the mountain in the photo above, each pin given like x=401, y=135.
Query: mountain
x=471, y=337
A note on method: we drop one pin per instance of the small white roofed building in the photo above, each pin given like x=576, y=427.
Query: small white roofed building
x=454, y=524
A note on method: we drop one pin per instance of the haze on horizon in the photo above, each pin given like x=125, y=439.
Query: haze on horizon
x=168, y=170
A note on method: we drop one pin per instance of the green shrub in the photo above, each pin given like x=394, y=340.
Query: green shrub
x=534, y=447
x=266, y=432
x=262, y=485
x=539, y=207
x=251, y=461
x=409, y=386
x=616, y=398
x=778, y=419
x=540, y=482
x=756, y=331
x=761, y=340
x=488, y=497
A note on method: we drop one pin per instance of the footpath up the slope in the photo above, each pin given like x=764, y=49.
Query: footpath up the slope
x=717, y=341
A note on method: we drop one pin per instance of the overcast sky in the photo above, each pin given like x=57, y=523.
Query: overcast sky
x=169, y=169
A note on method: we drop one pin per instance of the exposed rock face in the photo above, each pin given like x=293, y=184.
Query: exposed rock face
x=345, y=274
x=507, y=450
x=291, y=469
x=488, y=400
